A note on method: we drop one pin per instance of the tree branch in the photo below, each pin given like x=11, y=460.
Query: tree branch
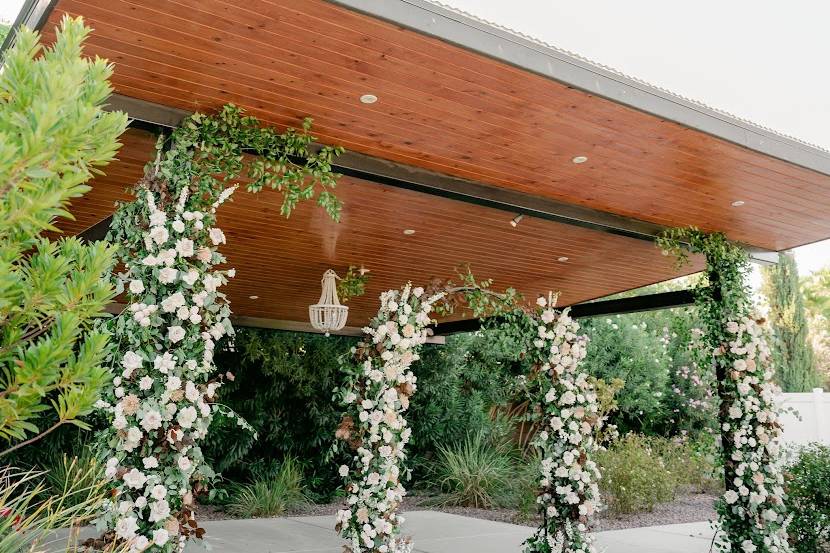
x=33, y=438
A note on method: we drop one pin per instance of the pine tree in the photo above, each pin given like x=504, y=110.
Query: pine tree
x=792, y=351
x=54, y=135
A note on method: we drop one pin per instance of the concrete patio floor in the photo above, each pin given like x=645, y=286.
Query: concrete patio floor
x=436, y=532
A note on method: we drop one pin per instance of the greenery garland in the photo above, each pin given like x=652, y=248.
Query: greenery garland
x=752, y=516
x=163, y=399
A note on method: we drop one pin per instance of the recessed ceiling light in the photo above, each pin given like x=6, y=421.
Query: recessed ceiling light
x=580, y=159
x=368, y=99
x=408, y=232
x=738, y=203
x=514, y=222
x=562, y=259
x=254, y=297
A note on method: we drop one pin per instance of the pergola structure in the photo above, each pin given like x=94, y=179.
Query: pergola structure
x=453, y=127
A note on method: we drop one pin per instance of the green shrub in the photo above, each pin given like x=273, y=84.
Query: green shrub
x=458, y=385
x=691, y=464
x=475, y=472
x=283, y=388
x=526, y=486
x=31, y=513
x=808, y=493
x=271, y=493
x=634, y=477
x=54, y=136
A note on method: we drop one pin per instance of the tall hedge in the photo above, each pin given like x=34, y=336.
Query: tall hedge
x=792, y=351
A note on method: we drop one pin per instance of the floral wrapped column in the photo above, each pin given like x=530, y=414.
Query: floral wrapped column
x=374, y=430
x=564, y=406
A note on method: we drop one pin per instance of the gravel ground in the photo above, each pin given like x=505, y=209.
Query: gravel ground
x=686, y=508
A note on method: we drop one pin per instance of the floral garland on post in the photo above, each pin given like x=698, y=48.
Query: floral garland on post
x=752, y=516
x=376, y=394
x=163, y=397
x=565, y=408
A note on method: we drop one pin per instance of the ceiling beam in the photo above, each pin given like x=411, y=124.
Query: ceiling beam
x=619, y=306
x=450, y=25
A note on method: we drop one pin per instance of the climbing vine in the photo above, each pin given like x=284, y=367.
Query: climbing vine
x=163, y=396
x=751, y=513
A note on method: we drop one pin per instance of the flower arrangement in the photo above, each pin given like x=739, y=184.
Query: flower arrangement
x=752, y=515
x=753, y=505
x=161, y=403
x=374, y=430
x=567, y=415
x=163, y=393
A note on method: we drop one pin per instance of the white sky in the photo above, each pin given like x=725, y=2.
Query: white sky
x=9, y=10
x=761, y=60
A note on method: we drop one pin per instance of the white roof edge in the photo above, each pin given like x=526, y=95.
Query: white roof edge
x=478, y=35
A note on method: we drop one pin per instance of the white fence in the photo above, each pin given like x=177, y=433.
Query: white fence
x=814, y=411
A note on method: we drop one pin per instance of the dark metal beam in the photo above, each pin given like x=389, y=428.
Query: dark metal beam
x=33, y=15
x=647, y=302
x=98, y=231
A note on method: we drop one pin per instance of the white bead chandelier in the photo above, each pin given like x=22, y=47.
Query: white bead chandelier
x=328, y=314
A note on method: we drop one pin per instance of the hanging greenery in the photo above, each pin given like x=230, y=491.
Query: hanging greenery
x=752, y=516
x=163, y=398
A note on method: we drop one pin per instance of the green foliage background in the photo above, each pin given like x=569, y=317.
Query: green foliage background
x=792, y=352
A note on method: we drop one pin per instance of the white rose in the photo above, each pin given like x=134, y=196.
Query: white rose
x=174, y=383
x=172, y=302
x=160, y=537
x=126, y=527
x=344, y=470
x=187, y=416
x=151, y=420
x=178, y=226
x=159, y=510
x=158, y=492
x=131, y=360
x=168, y=275
x=190, y=277
x=159, y=235
x=134, y=478
x=731, y=496
x=136, y=286
x=175, y=334
x=184, y=246
x=184, y=463
x=145, y=383
x=216, y=236
x=150, y=462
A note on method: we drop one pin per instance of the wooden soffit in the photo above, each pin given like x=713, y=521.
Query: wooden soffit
x=282, y=260
x=450, y=110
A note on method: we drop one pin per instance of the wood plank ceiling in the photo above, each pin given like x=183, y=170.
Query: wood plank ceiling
x=282, y=260
x=449, y=110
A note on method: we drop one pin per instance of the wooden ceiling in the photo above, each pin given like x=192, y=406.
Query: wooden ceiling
x=282, y=260
x=453, y=111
